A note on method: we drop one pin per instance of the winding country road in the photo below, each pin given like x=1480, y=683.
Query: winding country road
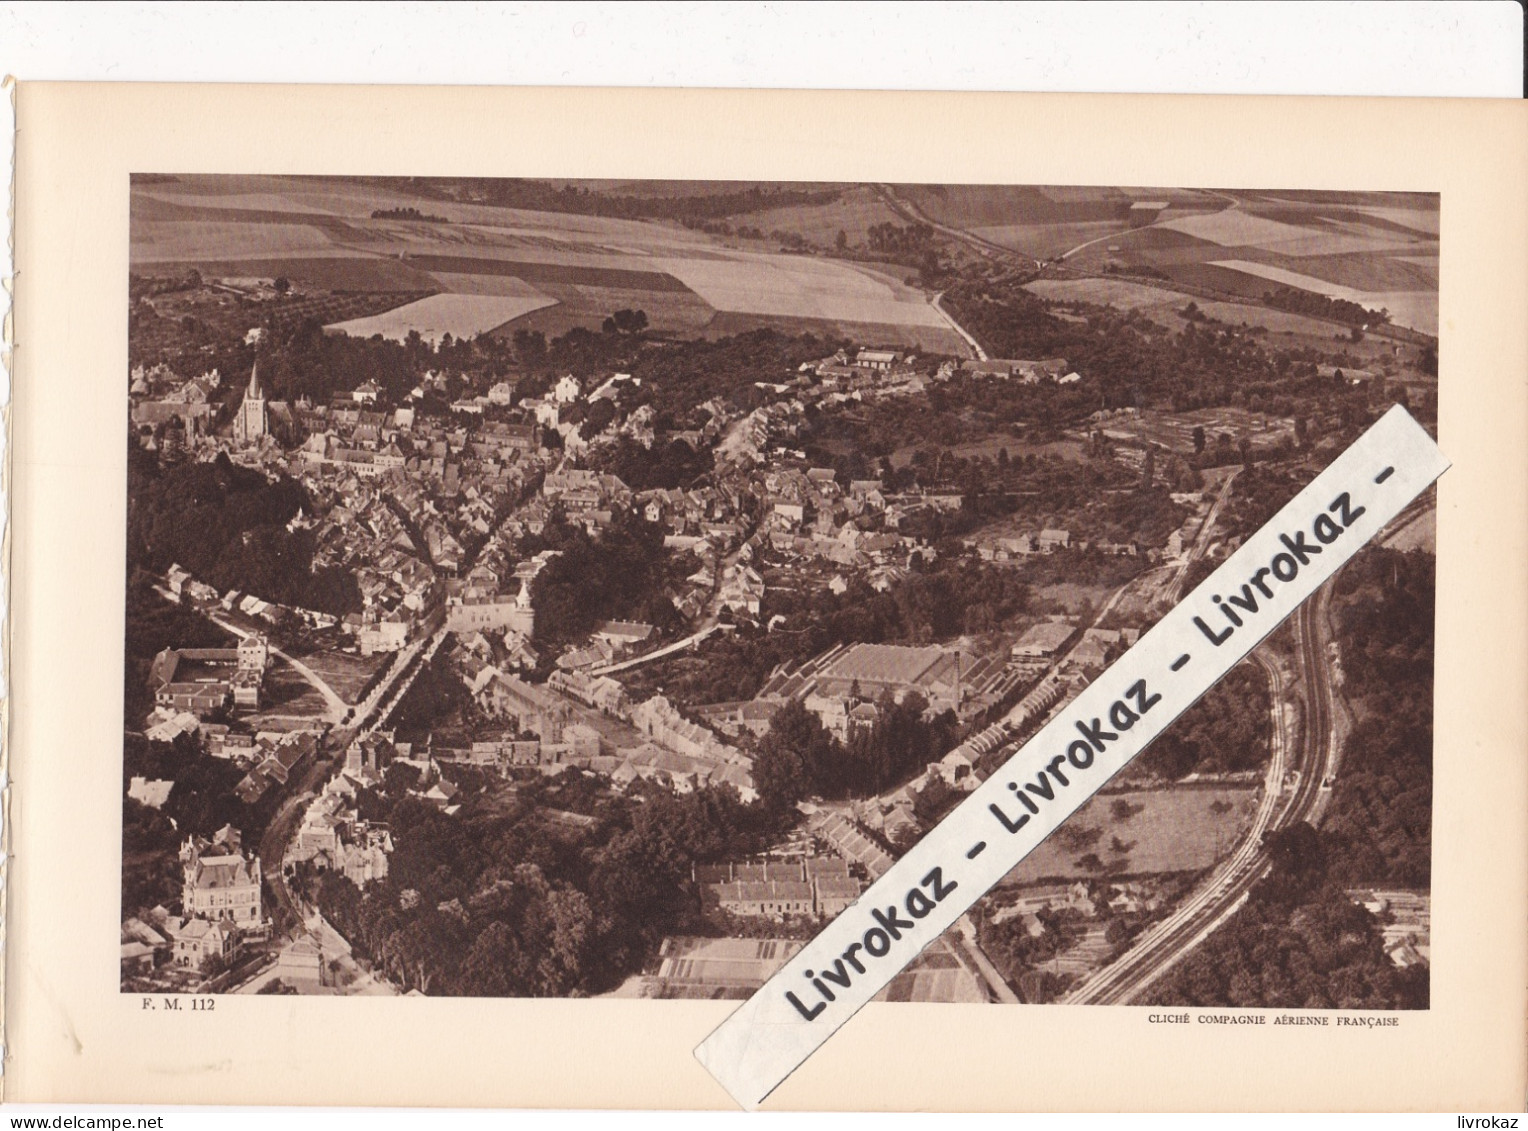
x=915, y=215
x=1128, y=232
x=981, y=354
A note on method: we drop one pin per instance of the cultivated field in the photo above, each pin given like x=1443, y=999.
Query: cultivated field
x=461, y=316
x=969, y=206
x=1418, y=219
x=801, y=287
x=680, y=313
x=1108, y=292
x=1416, y=309
x=853, y=213
x=1047, y=241
x=552, y=271
x=1240, y=228
x=172, y=239
x=1176, y=830
x=1378, y=249
x=506, y=286
x=1047, y=221
x=507, y=268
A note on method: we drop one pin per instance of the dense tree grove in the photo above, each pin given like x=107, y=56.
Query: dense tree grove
x=1300, y=941
x=1320, y=306
x=406, y=213
x=436, y=694
x=911, y=240
x=679, y=376
x=797, y=758
x=1378, y=827
x=1224, y=732
x=566, y=894
x=722, y=199
x=1257, y=494
x=674, y=464
x=228, y=526
x=307, y=362
x=1021, y=956
x=623, y=575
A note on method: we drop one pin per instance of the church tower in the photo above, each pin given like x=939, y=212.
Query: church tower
x=251, y=423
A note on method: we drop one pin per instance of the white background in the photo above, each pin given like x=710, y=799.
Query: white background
x=1470, y=48
x=1427, y=49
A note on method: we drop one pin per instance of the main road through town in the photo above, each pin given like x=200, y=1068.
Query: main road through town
x=367, y=716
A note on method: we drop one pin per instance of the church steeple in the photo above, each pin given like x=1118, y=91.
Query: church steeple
x=251, y=423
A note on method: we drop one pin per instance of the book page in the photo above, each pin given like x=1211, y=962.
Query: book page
x=498, y=571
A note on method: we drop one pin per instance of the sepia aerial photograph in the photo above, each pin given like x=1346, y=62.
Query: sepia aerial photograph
x=575, y=588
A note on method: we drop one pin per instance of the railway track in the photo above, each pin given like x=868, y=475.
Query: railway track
x=1219, y=897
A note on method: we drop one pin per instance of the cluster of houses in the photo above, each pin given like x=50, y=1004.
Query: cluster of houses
x=272, y=759
x=166, y=408
x=667, y=747
x=200, y=681
x=553, y=411
x=844, y=835
x=888, y=372
x=1405, y=921
x=1024, y=372
x=814, y=886
x=220, y=912
x=333, y=837
x=810, y=515
x=1049, y=540
x=398, y=495
x=867, y=374
x=1028, y=903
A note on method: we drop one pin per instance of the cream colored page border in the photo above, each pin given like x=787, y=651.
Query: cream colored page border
x=73, y=1037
